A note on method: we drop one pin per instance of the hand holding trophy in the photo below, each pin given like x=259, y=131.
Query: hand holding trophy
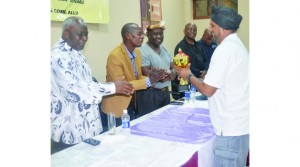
x=181, y=60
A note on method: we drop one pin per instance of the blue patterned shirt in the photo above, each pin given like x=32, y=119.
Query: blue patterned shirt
x=74, y=96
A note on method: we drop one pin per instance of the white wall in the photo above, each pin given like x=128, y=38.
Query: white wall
x=104, y=37
x=243, y=31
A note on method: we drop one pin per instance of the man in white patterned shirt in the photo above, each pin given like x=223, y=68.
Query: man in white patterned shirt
x=74, y=95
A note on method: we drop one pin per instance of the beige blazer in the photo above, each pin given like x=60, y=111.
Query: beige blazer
x=118, y=65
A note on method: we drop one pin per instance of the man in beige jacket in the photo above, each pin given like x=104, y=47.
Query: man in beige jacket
x=125, y=60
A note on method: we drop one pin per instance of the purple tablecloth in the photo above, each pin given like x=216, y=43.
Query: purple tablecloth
x=188, y=125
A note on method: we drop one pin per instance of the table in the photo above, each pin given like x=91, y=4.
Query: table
x=138, y=150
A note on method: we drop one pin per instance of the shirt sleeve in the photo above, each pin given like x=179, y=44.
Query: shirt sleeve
x=148, y=82
x=218, y=68
x=72, y=80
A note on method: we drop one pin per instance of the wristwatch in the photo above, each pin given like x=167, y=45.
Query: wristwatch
x=188, y=77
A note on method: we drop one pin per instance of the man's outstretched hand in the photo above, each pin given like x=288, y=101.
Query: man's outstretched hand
x=124, y=87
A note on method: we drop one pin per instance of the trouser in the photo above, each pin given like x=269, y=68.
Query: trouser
x=131, y=111
x=231, y=151
x=151, y=99
x=58, y=146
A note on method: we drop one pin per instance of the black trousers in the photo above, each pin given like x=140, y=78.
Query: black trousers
x=131, y=111
x=151, y=99
x=58, y=146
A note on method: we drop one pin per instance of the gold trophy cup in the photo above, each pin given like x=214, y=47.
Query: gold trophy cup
x=181, y=60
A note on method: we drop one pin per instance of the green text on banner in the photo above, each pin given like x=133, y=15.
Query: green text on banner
x=92, y=11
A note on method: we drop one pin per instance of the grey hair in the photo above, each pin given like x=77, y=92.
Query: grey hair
x=68, y=22
x=130, y=28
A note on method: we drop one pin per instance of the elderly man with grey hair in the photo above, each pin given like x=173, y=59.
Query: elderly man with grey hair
x=227, y=86
x=74, y=95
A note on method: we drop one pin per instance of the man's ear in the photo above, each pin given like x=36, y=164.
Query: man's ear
x=128, y=35
x=66, y=34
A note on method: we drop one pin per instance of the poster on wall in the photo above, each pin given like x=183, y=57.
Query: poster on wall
x=92, y=11
x=155, y=10
x=151, y=12
x=202, y=8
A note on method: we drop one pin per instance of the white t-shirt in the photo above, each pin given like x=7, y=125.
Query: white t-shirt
x=228, y=72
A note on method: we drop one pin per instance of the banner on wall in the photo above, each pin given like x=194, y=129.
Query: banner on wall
x=92, y=11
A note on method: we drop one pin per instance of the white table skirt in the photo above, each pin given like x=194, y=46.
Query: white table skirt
x=135, y=151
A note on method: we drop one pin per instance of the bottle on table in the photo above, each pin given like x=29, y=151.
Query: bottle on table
x=193, y=92
x=187, y=96
x=125, y=123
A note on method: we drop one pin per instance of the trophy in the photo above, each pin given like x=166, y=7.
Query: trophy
x=181, y=60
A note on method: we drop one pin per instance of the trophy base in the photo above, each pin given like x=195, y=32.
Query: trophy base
x=183, y=88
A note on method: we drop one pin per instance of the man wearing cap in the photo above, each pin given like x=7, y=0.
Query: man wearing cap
x=227, y=86
x=125, y=61
x=155, y=56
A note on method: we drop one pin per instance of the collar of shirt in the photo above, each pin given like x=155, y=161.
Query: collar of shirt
x=230, y=36
x=185, y=40
x=131, y=55
x=212, y=45
x=68, y=47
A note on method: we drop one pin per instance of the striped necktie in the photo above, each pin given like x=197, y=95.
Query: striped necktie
x=134, y=66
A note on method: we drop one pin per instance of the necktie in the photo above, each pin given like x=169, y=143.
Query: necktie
x=134, y=67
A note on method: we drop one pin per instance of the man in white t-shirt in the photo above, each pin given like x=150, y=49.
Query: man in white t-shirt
x=227, y=86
